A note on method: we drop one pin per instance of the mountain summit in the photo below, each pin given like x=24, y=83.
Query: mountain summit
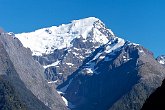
x=46, y=40
x=62, y=49
x=91, y=68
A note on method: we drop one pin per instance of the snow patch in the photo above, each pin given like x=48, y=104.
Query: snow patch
x=119, y=44
x=53, y=64
x=88, y=70
x=96, y=56
x=60, y=73
x=75, y=53
x=125, y=58
x=134, y=44
x=50, y=82
x=65, y=101
x=141, y=51
x=162, y=62
x=81, y=57
x=70, y=64
x=76, y=49
x=101, y=57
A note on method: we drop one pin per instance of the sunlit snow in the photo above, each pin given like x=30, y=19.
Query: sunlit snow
x=53, y=64
x=46, y=40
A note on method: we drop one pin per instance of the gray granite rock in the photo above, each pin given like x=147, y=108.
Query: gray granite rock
x=30, y=73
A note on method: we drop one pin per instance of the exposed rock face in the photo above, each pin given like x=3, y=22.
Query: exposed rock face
x=8, y=73
x=119, y=80
x=25, y=75
x=92, y=68
x=156, y=100
x=63, y=51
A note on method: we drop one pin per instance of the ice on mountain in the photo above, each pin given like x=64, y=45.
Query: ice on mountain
x=76, y=54
x=101, y=57
x=76, y=49
x=65, y=101
x=50, y=82
x=110, y=48
x=46, y=40
x=70, y=64
x=81, y=57
x=162, y=62
x=141, y=51
x=53, y=64
x=59, y=73
x=99, y=37
x=11, y=34
x=125, y=58
x=88, y=70
x=97, y=56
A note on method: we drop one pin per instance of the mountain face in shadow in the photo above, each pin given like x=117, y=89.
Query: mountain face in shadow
x=91, y=68
x=156, y=100
x=121, y=80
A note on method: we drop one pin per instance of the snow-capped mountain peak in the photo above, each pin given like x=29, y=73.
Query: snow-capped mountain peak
x=46, y=40
x=85, y=22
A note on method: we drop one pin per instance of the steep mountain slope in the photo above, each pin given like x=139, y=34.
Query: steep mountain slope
x=9, y=99
x=12, y=83
x=92, y=68
x=61, y=50
x=120, y=79
x=156, y=101
x=26, y=76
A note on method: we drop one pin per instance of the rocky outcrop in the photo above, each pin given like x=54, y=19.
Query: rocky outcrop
x=92, y=68
x=66, y=46
x=26, y=76
x=156, y=100
x=119, y=80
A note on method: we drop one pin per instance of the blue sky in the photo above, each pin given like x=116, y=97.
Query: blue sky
x=139, y=21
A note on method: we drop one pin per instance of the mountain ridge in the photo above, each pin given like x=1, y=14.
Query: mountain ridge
x=27, y=76
x=60, y=37
x=90, y=54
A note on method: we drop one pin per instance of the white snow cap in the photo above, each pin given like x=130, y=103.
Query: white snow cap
x=162, y=60
x=46, y=40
